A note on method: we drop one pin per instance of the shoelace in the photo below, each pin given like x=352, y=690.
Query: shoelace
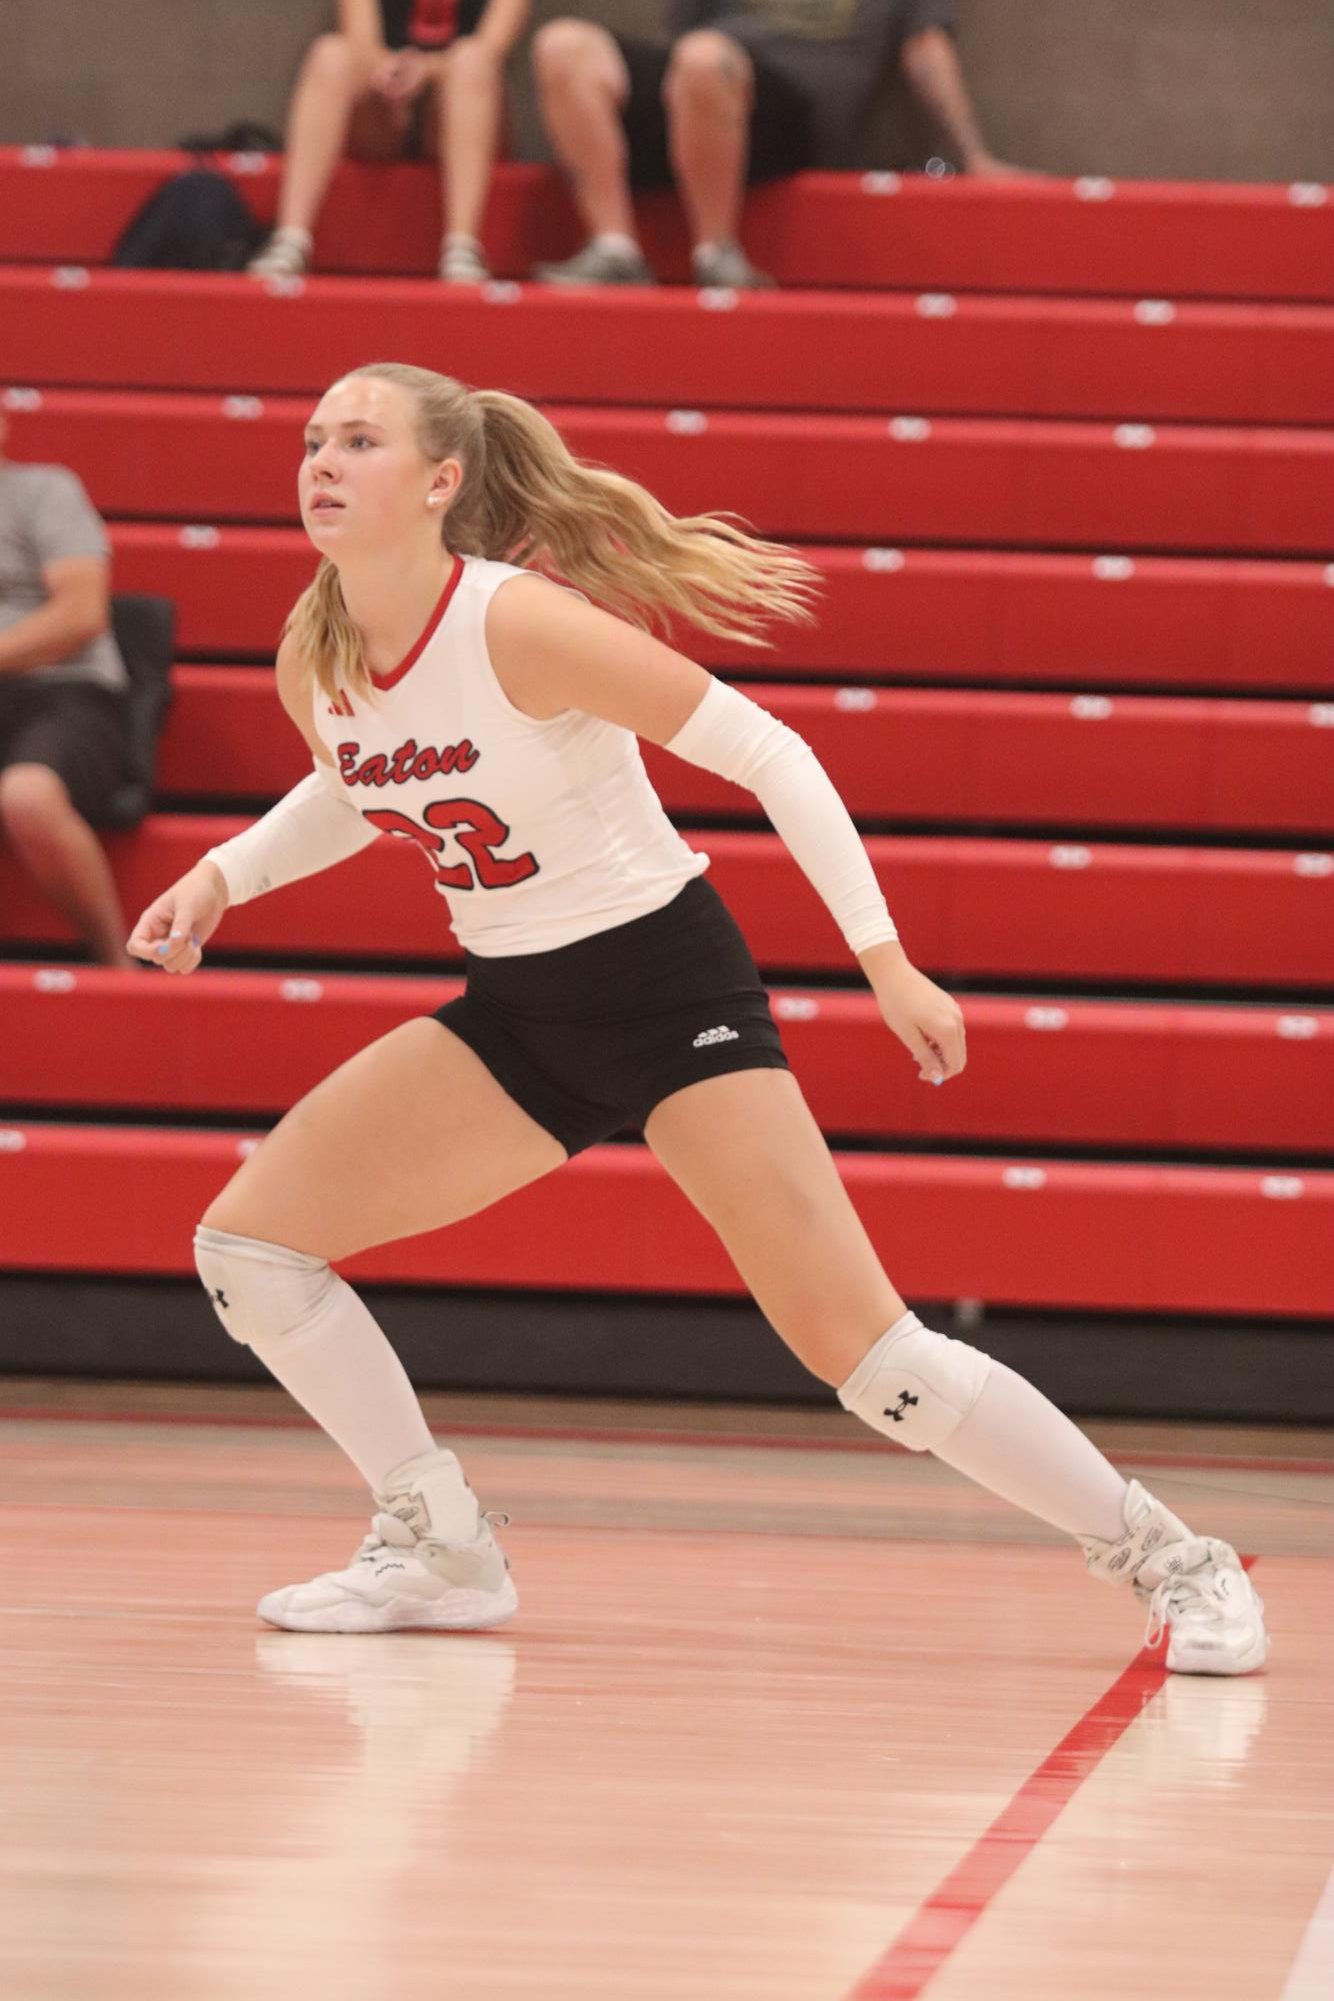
x=1185, y=1595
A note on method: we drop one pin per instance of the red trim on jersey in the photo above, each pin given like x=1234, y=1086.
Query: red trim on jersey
x=396, y=674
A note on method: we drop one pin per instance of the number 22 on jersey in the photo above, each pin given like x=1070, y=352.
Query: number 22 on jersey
x=475, y=828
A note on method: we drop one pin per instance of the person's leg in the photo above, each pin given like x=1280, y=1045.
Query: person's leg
x=748, y=1153
x=332, y=78
x=412, y=1134
x=469, y=109
x=708, y=92
x=582, y=84
x=779, y=141
x=59, y=850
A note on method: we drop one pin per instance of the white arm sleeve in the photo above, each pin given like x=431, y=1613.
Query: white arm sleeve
x=312, y=827
x=736, y=738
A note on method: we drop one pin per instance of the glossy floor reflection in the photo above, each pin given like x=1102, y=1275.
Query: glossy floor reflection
x=762, y=1696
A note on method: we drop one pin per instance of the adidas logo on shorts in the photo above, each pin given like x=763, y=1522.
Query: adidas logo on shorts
x=712, y=1035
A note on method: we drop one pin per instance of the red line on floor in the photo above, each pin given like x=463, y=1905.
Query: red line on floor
x=950, y=1912
x=947, y=1916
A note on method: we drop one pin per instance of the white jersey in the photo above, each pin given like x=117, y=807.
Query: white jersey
x=537, y=833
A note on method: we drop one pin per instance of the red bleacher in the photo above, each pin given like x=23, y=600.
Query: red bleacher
x=1096, y=486
x=1065, y=440
x=1014, y=1232
x=1101, y=1073
x=934, y=352
x=925, y=614
x=1138, y=239
x=972, y=907
x=898, y=754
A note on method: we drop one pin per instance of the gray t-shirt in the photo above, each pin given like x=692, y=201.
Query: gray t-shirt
x=45, y=516
x=835, y=51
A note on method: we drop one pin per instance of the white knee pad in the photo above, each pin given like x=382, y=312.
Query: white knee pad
x=916, y=1386
x=260, y=1292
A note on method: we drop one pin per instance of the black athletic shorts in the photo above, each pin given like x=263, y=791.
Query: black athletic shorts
x=590, y=1037
x=74, y=727
x=781, y=132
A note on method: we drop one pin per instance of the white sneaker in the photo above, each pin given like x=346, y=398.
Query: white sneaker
x=1206, y=1604
x=404, y=1576
x=1193, y=1587
x=285, y=255
x=462, y=262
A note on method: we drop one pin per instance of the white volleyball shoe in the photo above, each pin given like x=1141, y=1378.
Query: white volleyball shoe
x=1193, y=1588
x=405, y=1576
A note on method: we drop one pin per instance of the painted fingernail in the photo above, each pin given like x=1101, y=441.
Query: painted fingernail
x=194, y=940
x=162, y=950
x=937, y=1080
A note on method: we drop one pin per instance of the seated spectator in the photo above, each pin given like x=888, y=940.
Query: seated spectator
x=62, y=704
x=749, y=89
x=399, y=79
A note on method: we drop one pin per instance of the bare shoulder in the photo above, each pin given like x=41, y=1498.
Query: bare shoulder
x=551, y=650
x=526, y=606
x=531, y=624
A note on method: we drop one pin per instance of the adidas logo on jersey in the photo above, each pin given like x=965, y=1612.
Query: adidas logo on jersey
x=712, y=1035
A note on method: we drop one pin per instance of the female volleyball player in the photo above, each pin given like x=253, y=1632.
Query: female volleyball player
x=457, y=700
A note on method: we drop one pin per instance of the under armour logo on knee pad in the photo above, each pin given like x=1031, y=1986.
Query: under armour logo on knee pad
x=219, y=1298
x=915, y=1386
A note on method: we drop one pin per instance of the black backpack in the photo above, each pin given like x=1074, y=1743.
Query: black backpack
x=194, y=222
x=145, y=633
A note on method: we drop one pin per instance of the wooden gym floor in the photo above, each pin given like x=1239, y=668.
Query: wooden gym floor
x=782, y=1718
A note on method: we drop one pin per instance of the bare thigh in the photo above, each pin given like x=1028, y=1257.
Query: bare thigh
x=411, y=1134
x=750, y=1156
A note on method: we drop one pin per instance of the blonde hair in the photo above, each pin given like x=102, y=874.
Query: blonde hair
x=526, y=499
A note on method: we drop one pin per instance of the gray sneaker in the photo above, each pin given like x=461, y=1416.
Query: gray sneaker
x=725, y=267
x=594, y=265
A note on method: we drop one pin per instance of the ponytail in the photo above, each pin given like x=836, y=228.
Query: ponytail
x=525, y=499
x=608, y=536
